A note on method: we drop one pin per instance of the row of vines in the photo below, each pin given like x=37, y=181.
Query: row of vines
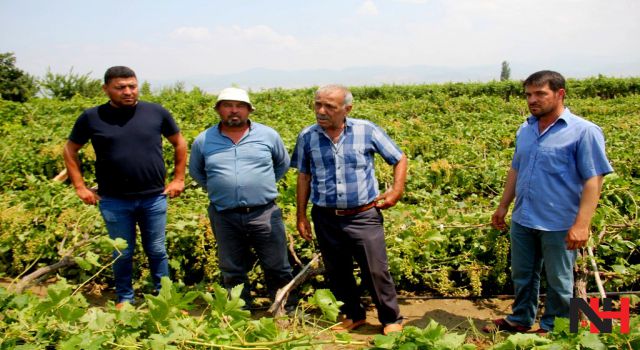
x=459, y=139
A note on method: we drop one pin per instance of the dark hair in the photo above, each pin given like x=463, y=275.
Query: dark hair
x=118, y=72
x=554, y=79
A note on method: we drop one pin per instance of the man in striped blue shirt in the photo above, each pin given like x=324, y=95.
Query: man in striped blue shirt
x=336, y=171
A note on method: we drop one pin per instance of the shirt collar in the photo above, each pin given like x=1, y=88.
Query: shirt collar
x=566, y=117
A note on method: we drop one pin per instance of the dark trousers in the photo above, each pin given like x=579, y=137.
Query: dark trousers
x=359, y=236
x=263, y=230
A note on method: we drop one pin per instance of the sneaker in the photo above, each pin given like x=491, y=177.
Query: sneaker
x=502, y=324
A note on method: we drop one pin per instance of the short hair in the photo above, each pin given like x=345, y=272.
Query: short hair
x=348, y=96
x=554, y=79
x=118, y=72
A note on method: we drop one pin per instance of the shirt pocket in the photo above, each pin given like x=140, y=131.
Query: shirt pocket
x=554, y=160
x=356, y=157
x=258, y=153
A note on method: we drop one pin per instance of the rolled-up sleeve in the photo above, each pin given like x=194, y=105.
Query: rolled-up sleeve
x=388, y=149
x=591, y=157
x=299, y=159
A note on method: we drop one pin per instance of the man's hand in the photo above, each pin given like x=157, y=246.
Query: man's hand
x=88, y=196
x=304, y=228
x=577, y=237
x=497, y=219
x=389, y=199
x=174, y=188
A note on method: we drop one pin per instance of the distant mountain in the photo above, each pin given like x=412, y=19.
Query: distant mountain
x=263, y=78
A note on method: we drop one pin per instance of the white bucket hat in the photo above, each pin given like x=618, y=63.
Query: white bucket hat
x=234, y=94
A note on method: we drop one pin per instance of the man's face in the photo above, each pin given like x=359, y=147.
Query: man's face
x=330, y=109
x=543, y=101
x=233, y=113
x=123, y=92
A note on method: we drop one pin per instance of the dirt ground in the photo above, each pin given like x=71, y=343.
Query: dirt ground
x=457, y=315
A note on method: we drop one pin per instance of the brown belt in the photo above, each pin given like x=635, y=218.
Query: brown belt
x=351, y=211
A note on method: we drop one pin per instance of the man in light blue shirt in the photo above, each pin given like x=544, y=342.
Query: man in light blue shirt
x=555, y=178
x=239, y=162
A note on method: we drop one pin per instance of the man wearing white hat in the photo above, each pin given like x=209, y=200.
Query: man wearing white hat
x=238, y=162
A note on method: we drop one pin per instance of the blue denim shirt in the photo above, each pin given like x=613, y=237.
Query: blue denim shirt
x=552, y=168
x=242, y=174
x=342, y=174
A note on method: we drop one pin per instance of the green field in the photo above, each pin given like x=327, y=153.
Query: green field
x=459, y=139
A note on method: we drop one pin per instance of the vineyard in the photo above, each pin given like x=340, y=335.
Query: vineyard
x=459, y=139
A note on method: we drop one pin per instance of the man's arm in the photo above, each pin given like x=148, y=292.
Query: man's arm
x=176, y=186
x=509, y=193
x=281, y=159
x=578, y=234
x=392, y=195
x=72, y=162
x=303, y=190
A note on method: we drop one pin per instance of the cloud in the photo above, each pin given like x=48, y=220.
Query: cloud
x=413, y=1
x=191, y=34
x=259, y=34
x=368, y=8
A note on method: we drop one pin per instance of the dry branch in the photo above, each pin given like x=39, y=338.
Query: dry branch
x=277, y=308
x=62, y=176
x=26, y=280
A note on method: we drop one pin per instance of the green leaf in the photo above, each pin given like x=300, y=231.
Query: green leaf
x=384, y=341
x=92, y=258
x=83, y=263
x=591, y=341
x=120, y=244
x=450, y=341
x=326, y=301
x=158, y=307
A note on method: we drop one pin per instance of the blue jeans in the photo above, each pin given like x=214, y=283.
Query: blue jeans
x=263, y=230
x=529, y=249
x=121, y=217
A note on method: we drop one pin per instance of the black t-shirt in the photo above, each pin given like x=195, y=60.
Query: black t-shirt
x=128, y=146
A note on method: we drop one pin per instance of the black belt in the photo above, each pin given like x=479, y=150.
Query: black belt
x=246, y=210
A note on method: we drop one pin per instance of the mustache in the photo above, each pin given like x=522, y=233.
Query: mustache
x=322, y=117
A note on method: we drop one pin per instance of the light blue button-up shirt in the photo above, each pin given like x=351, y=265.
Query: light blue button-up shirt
x=343, y=173
x=552, y=167
x=242, y=174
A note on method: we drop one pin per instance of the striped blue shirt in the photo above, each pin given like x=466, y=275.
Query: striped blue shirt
x=242, y=174
x=342, y=174
x=552, y=167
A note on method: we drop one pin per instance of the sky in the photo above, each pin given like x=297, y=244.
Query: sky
x=165, y=41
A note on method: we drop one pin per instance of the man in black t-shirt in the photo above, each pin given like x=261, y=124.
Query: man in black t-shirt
x=126, y=135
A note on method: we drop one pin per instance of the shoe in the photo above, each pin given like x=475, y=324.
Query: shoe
x=502, y=324
x=392, y=327
x=541, y=331
x=121, y=304
x=348, y=325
